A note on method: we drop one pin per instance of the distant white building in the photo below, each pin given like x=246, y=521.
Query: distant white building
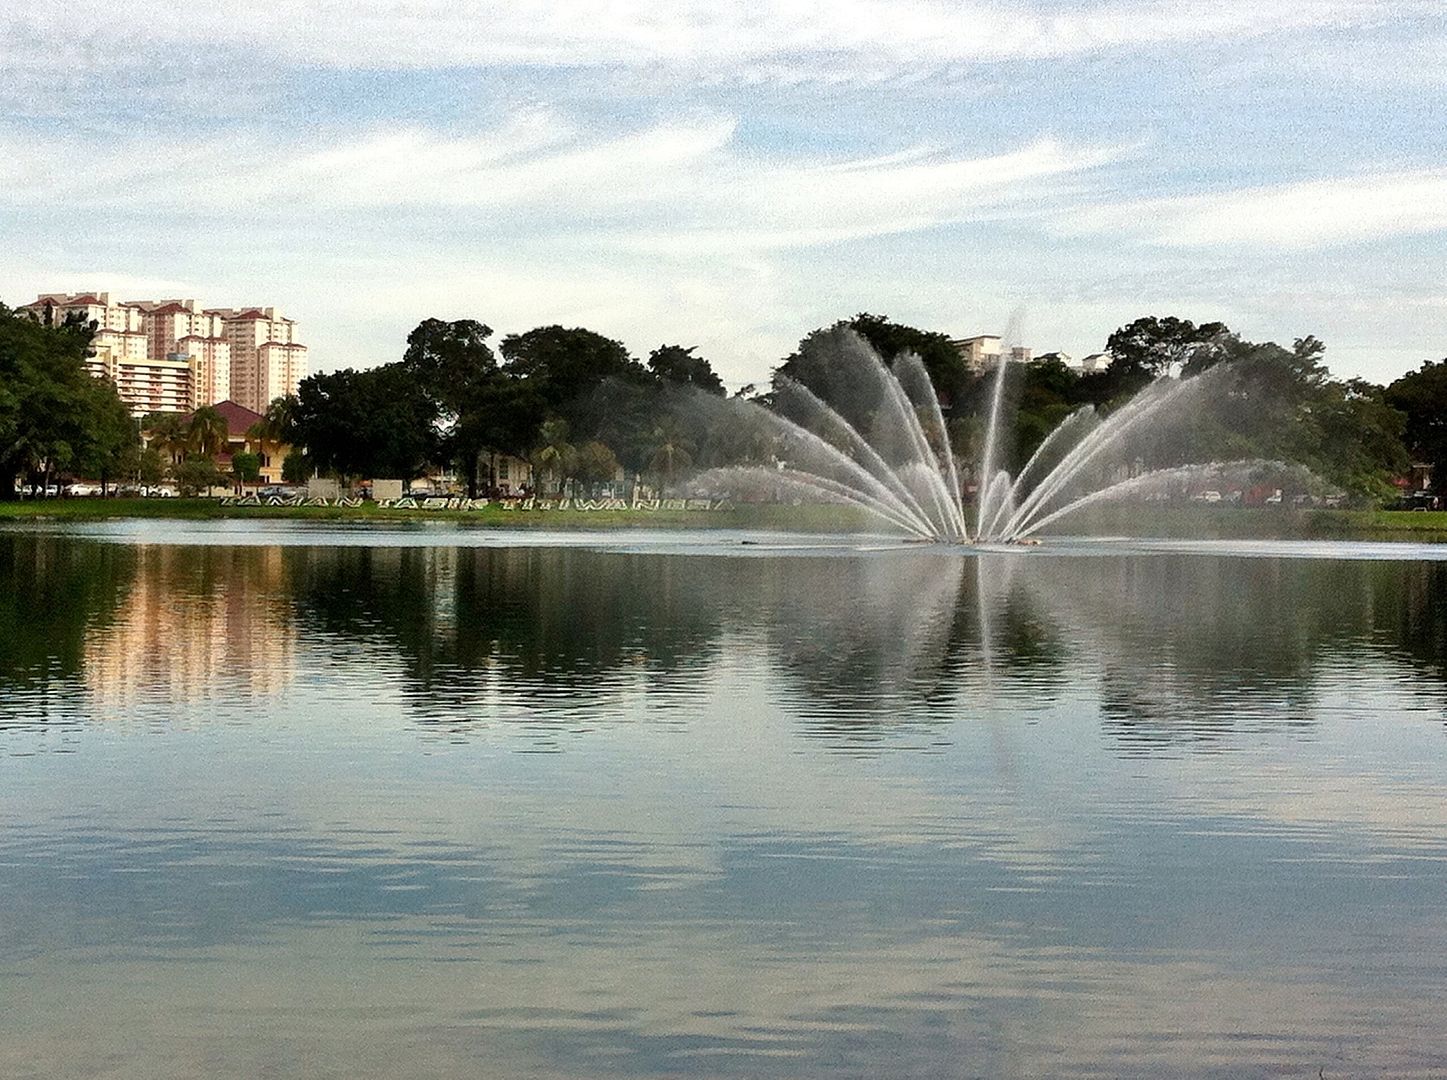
x=980, y=352
x=983, y=351
x=1099, y=361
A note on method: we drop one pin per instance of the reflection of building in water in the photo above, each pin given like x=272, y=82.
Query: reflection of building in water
x=196, y=618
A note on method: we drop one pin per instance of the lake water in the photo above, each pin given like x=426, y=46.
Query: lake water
x=298, y=801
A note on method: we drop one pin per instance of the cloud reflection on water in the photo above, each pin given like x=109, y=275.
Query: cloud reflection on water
x=351, y=871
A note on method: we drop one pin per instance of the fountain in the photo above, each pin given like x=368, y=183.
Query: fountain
x=874, y=438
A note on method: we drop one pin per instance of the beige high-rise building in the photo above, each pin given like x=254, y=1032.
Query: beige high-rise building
x=209, y=359
x=979, y=352
x=119, y=328
x=149, y=386
x=168, y=321
x=279, y=369
x=983, y=351
x=54, y=308
x=267, y=362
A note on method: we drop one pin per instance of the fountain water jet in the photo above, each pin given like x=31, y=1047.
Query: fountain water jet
x=880, y=444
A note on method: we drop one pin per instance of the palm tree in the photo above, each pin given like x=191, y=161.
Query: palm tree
x=672, y=452
x=168, y=434
x=207, y=433
x=555, y=456
x=275, y=425
x=270, y=435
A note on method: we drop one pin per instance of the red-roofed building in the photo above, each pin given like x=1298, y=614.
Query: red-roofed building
x=241, y=422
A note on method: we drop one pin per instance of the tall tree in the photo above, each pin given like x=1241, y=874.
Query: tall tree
x=54, y=417
x=456, y=368
x=207, y=432
x=379, y=423
x=1421, y=396
x=564, y=366
x=167, y=433
x=948, y=372
x=1161, y=346
x=676, y=364
x=811, y=363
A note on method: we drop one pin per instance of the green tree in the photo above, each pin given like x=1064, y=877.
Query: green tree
x=277, y=424
x=54, y=417
x=1421, y=397
x=113, y=445
x=295, y=468
x=555, y=457
x=673, y=452
x=206, y=432
x=812, y=362
x=246, y=467
x=151, y=466
x=1161, y=346
x=168, y=433
x=477, y=404
x=197, y=474
x=379, y=423
x=1152, y=346
x=1049, y=392
x=951, y=377
x=595, y=463
x=676, y=364
x=563, y=368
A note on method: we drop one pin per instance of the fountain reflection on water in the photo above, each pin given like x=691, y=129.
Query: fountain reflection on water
x=877, y=440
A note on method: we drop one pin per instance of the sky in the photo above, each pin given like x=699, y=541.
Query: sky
x=732, y=175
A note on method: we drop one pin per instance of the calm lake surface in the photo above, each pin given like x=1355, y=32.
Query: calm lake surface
x=303, y=801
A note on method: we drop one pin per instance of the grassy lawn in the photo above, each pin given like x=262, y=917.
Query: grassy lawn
x=1191, y=521
x=803, y=518
x=1236, y=523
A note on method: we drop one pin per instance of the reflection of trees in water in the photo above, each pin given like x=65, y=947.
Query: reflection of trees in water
x=460, y=620
x=854, y=637
x=1416, y=626
x=1190, y=648
x=867, y=644
x=54, y=592
x=1177, y=649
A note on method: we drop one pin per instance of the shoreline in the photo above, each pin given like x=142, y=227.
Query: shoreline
x=1198, y=522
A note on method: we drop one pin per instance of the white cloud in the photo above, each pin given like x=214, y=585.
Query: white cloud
x=1308, y=214
x=698, y=34
x=681, y=184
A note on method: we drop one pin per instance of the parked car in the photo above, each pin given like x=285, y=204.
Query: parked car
x=159, y=491
x=1206, y=497
x=82, y=488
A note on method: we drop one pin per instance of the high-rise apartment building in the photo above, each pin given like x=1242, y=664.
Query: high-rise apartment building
x=174, y=356
x=168, y=321
x=267, y=362
x=119, y=328
x=209, y=359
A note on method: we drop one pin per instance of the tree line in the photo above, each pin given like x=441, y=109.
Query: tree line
x=579, y=406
